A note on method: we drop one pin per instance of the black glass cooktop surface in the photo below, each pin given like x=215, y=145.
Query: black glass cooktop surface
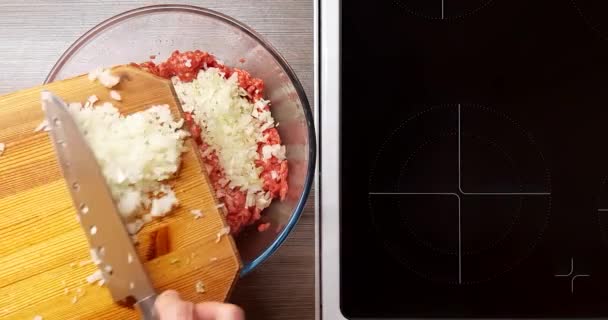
x=474, y=159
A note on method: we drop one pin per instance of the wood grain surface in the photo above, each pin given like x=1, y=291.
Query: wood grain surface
x=46, y=245
x=36, y=32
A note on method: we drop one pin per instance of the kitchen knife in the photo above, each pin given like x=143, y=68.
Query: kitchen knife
x=107, y=235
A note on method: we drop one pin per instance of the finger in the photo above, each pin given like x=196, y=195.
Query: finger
x=218, y=311
x=170, y=307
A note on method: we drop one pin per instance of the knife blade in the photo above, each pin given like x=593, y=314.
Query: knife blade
x=109, y=240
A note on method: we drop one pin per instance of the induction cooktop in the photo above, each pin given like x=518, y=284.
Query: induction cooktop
x=474, y=159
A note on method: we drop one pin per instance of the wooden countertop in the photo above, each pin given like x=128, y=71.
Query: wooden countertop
x=36, y=32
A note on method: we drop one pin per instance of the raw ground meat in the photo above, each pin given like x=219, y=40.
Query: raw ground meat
x=185, y=65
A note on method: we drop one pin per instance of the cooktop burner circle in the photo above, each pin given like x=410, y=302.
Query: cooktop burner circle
x=442, y=9
x=595, y=14
x=471, y=198
x=499, y=226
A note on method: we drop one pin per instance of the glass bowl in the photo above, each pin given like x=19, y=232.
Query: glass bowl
x=137, y=35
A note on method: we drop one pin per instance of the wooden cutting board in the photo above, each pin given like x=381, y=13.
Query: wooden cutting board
x=44, y=253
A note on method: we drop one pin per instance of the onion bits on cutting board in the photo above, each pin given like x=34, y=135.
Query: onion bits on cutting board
x=46, y=268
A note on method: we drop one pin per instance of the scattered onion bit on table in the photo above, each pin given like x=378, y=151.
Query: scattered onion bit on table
x=200, y=287
x=2, y=148
x=197, y=213
x=223, y=231
x=38, y=317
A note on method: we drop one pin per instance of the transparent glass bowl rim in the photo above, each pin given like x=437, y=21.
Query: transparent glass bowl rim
x=312, y=149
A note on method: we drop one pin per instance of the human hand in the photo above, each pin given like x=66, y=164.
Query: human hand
x=171, y=307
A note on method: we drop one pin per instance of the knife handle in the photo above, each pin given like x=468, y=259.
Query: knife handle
x=146, y=308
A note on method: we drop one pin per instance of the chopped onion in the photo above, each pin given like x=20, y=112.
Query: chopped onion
x=136, y=153
x=200, y=287
x=134, y=227
x=276, y=150
x=115, y=95
x=163, y=205
x=95, y=276
x=264, y=201
x=130, y=201
x=91, y=100
x=44, y=125
x=95, y=257
x=197, y=213
x=105, y=77
x=224, y=231
x=233, y=127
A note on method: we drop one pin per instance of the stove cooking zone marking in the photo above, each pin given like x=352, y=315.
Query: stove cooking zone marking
x=459, y=218
x=436, y=9
x=572, y=276
x=484, y=193
x=461, y=192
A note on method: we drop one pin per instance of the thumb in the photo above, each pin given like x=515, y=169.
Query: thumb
x=218, y=311
x=171, y=307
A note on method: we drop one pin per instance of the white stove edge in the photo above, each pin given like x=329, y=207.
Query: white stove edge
x=328, y=187
x=316, y=102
